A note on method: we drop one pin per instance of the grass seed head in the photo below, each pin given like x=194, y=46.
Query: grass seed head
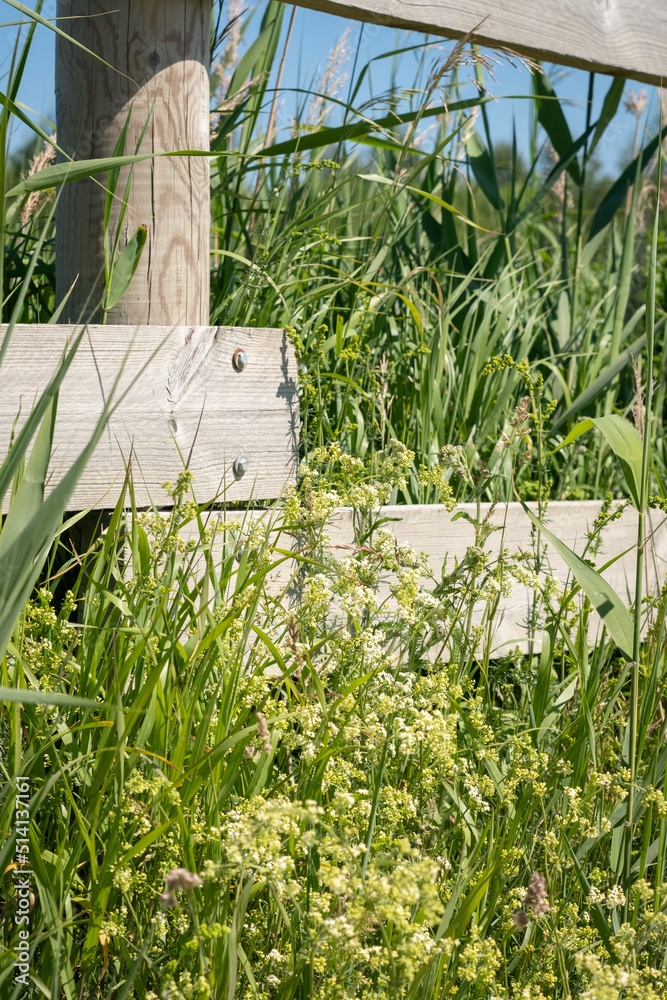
x=535, y=899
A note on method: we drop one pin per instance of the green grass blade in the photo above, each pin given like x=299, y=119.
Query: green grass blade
x=624, y=441
x=125, y=267
x=28, y=696
x=592, y=391
x=616, y=196
x=609, y=108
x=552, y=119
x=604, y=599
x=484, y=169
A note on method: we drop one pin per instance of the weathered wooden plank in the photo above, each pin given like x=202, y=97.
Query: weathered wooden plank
x=623, y=37
x=182, y=391
x=430, y=528
x=156, y=56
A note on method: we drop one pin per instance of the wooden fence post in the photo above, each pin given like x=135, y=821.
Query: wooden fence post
x=181, y=394
x=157, y=53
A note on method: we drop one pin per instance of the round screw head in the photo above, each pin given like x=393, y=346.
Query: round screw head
x=241, y=466
x=240, y=359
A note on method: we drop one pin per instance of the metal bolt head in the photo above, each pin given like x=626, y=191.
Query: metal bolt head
x=241, y=466
x=240, y=359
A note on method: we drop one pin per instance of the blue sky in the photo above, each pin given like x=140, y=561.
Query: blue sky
x=314, y=35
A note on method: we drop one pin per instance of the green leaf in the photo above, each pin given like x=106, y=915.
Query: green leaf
x=609, y=109
x=15, y=110
x=484, y=169
x=30, y=493
x=379, y=179
x=253, y=57
x=558, y=168
x=599, y=919
x=112, y=179
x=66, y=173
x=552, y=119
x=600, y=383
x=76, y=170
x=22, y=556
x=124, y=268
x=616, y=196
x=28, y=696
x=354, y=130
x=604, y=598
x=624, y=441
x=20, y=446
x=347, y=381
x=144, y=550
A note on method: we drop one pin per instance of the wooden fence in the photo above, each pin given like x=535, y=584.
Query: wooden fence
x=180, y=400
x=623, y=37
x=189, y=402
x=432, y=530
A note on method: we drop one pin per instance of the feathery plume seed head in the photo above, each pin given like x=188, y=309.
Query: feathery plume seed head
x=181, y=878
x=535, y=899
x=333, y=79
x=229, y=57
x=43, y=159
x=535, y=902
x=176, y=879
x=636, y=103
x=264, y=733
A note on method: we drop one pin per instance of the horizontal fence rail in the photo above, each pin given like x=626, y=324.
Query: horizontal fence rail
x=221, y=400
x=431, y=529
x=622, y=37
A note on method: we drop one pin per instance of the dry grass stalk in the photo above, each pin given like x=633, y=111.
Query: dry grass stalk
x=332, y=81
x=559, y=189
x=638, y=408
x=229, y=57
x=35, y=199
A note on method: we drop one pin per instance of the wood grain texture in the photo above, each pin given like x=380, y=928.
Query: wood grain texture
x=623, y=37
x=430, y=528
x=181, y=393
x=158, y=56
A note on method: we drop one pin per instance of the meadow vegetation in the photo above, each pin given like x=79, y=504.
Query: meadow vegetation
x=325, y=786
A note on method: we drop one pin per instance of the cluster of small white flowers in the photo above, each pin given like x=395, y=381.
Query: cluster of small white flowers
x=324, y=504
x=367, y=496
x=391, y=551
x=615, y=897
x=115, y=926
x=256, y=531
x=595, y=896
x=386, y=547
x=355, y=596
x=123, y=878
x=317, y=596
x=405, y=591
x=493, y=588
x=255, y=834
x=372, y=646
x=476, y=796
x=523, y=574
